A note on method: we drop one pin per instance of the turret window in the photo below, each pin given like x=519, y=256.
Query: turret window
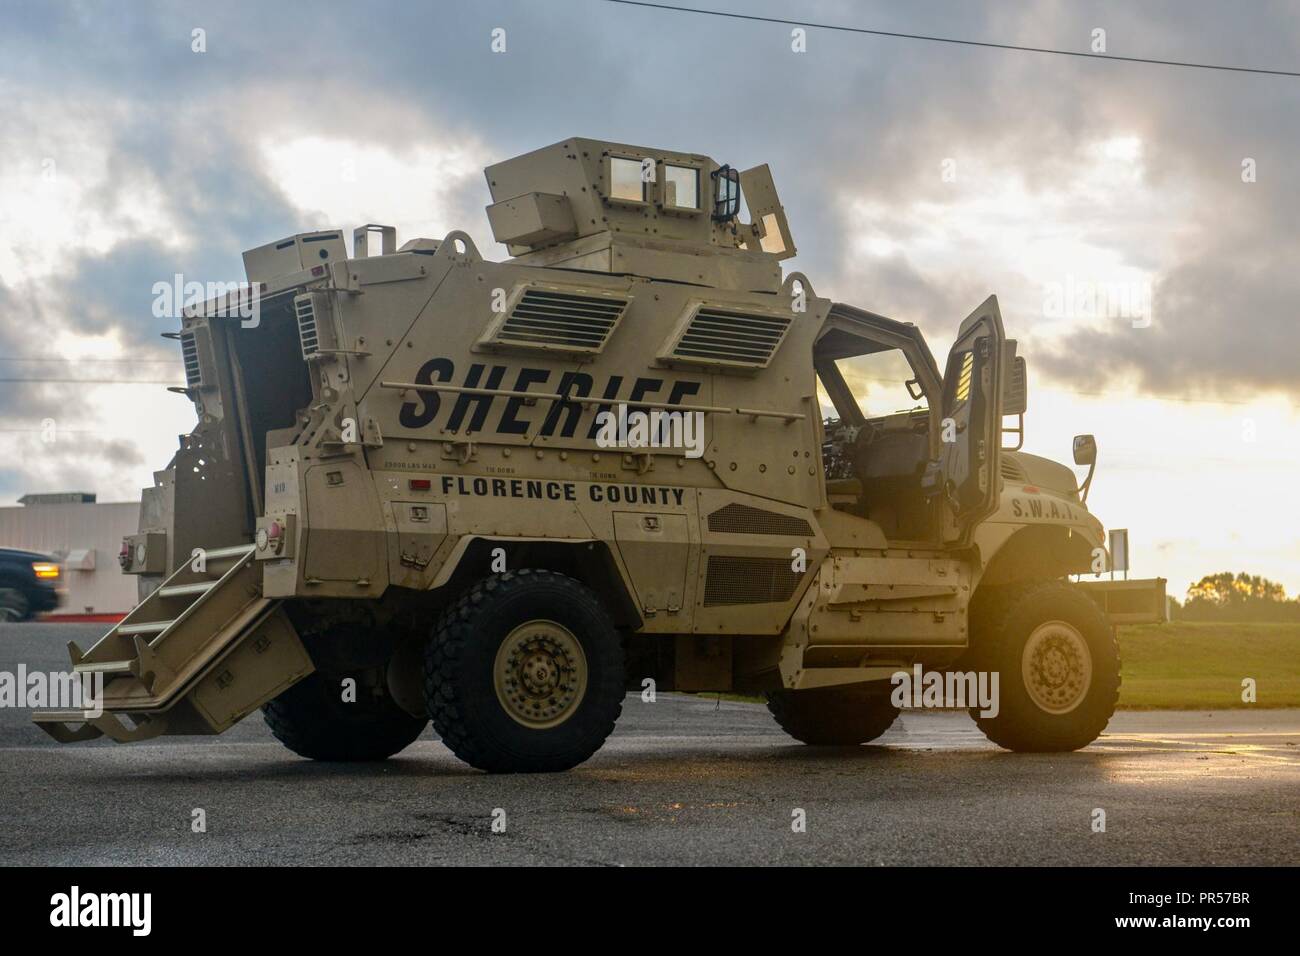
x=625, y=180
x=681, y=187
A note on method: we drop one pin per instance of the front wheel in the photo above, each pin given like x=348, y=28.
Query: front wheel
x=525, y=673
x=1058, y=667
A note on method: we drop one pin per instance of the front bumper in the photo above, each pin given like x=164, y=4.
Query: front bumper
x=42, y=599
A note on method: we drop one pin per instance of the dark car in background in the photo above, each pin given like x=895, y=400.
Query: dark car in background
x=29, y=584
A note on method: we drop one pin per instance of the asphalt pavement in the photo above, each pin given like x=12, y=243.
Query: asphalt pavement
x=683, y=780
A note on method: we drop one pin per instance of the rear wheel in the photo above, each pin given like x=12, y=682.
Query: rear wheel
x=1058, y=667
x=834, y=716
x=525, y=674
x=314, y=719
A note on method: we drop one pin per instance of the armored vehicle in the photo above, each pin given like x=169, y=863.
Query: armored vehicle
x=636, y=455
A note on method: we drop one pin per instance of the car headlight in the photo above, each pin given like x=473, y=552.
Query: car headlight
x=43, y=569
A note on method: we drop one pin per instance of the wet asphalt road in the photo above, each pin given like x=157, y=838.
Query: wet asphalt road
x=685, y=780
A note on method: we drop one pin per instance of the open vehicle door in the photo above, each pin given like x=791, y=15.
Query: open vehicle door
x=972, y=422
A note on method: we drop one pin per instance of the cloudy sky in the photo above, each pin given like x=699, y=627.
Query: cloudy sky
x=1137, y=222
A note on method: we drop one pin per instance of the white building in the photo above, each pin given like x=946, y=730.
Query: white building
x=85, y=536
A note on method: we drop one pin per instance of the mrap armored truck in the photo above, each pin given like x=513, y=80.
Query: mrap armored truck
x=425, y=486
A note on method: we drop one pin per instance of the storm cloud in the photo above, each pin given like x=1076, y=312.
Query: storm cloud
x=168, y=160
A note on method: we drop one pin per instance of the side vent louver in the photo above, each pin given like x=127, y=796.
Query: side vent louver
x=316, y=334
x=196, y=356
x=554, y=319
x=1011, y=470
x=728, y=337
x=304, y=308
x=190, y=356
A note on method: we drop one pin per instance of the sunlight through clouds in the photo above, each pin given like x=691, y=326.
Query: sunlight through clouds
x=423, y=190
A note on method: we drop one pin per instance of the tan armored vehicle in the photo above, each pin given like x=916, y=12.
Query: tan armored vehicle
x=427, y=486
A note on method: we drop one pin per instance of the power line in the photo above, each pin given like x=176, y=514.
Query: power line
x=953, y=40
x=121, y=361
x=91, y=381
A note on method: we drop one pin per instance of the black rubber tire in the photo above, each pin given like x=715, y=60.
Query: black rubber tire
x=14, y=606
x=312, y=719
x=459, y=661
x=834, y=716
x=1001, y=624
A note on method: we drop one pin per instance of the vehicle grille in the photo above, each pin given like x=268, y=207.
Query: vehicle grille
x=742, y=580
x=1012, y=471
x=743, y=519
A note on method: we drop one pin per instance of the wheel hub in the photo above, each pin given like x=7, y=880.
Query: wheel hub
x=540, y=674
x=1056, y=667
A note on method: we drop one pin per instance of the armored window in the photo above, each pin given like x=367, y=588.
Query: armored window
x=625, y=180
x=681, y=187
x=879, y=381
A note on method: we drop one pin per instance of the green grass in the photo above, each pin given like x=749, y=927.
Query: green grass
x=1198, y=666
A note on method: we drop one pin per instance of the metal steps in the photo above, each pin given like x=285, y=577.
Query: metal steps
x=186, y=590
x=107, y=667
x=152, y=627
x=163, y=663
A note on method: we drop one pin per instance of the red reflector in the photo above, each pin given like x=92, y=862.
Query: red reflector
x=421, y=484
x=318, y=270
x=274, y=531
x=1032, y=489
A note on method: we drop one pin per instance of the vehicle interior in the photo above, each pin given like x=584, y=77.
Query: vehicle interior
x=271, y=383
x=877, y=444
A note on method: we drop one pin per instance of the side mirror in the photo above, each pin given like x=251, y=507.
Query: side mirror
x=1085, y=450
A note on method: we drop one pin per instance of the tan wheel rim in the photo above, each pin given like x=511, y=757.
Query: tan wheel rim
x=540, y=674
x=1056, y=667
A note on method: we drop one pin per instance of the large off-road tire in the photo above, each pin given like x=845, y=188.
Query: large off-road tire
x=525, y=673
x=1058, y=666
x=834, y=716
x=14, y=606
x=313, y=720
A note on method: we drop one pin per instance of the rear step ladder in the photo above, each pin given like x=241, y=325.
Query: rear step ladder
x=195, y=656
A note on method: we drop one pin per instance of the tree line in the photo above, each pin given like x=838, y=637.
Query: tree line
x=1225, y=596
